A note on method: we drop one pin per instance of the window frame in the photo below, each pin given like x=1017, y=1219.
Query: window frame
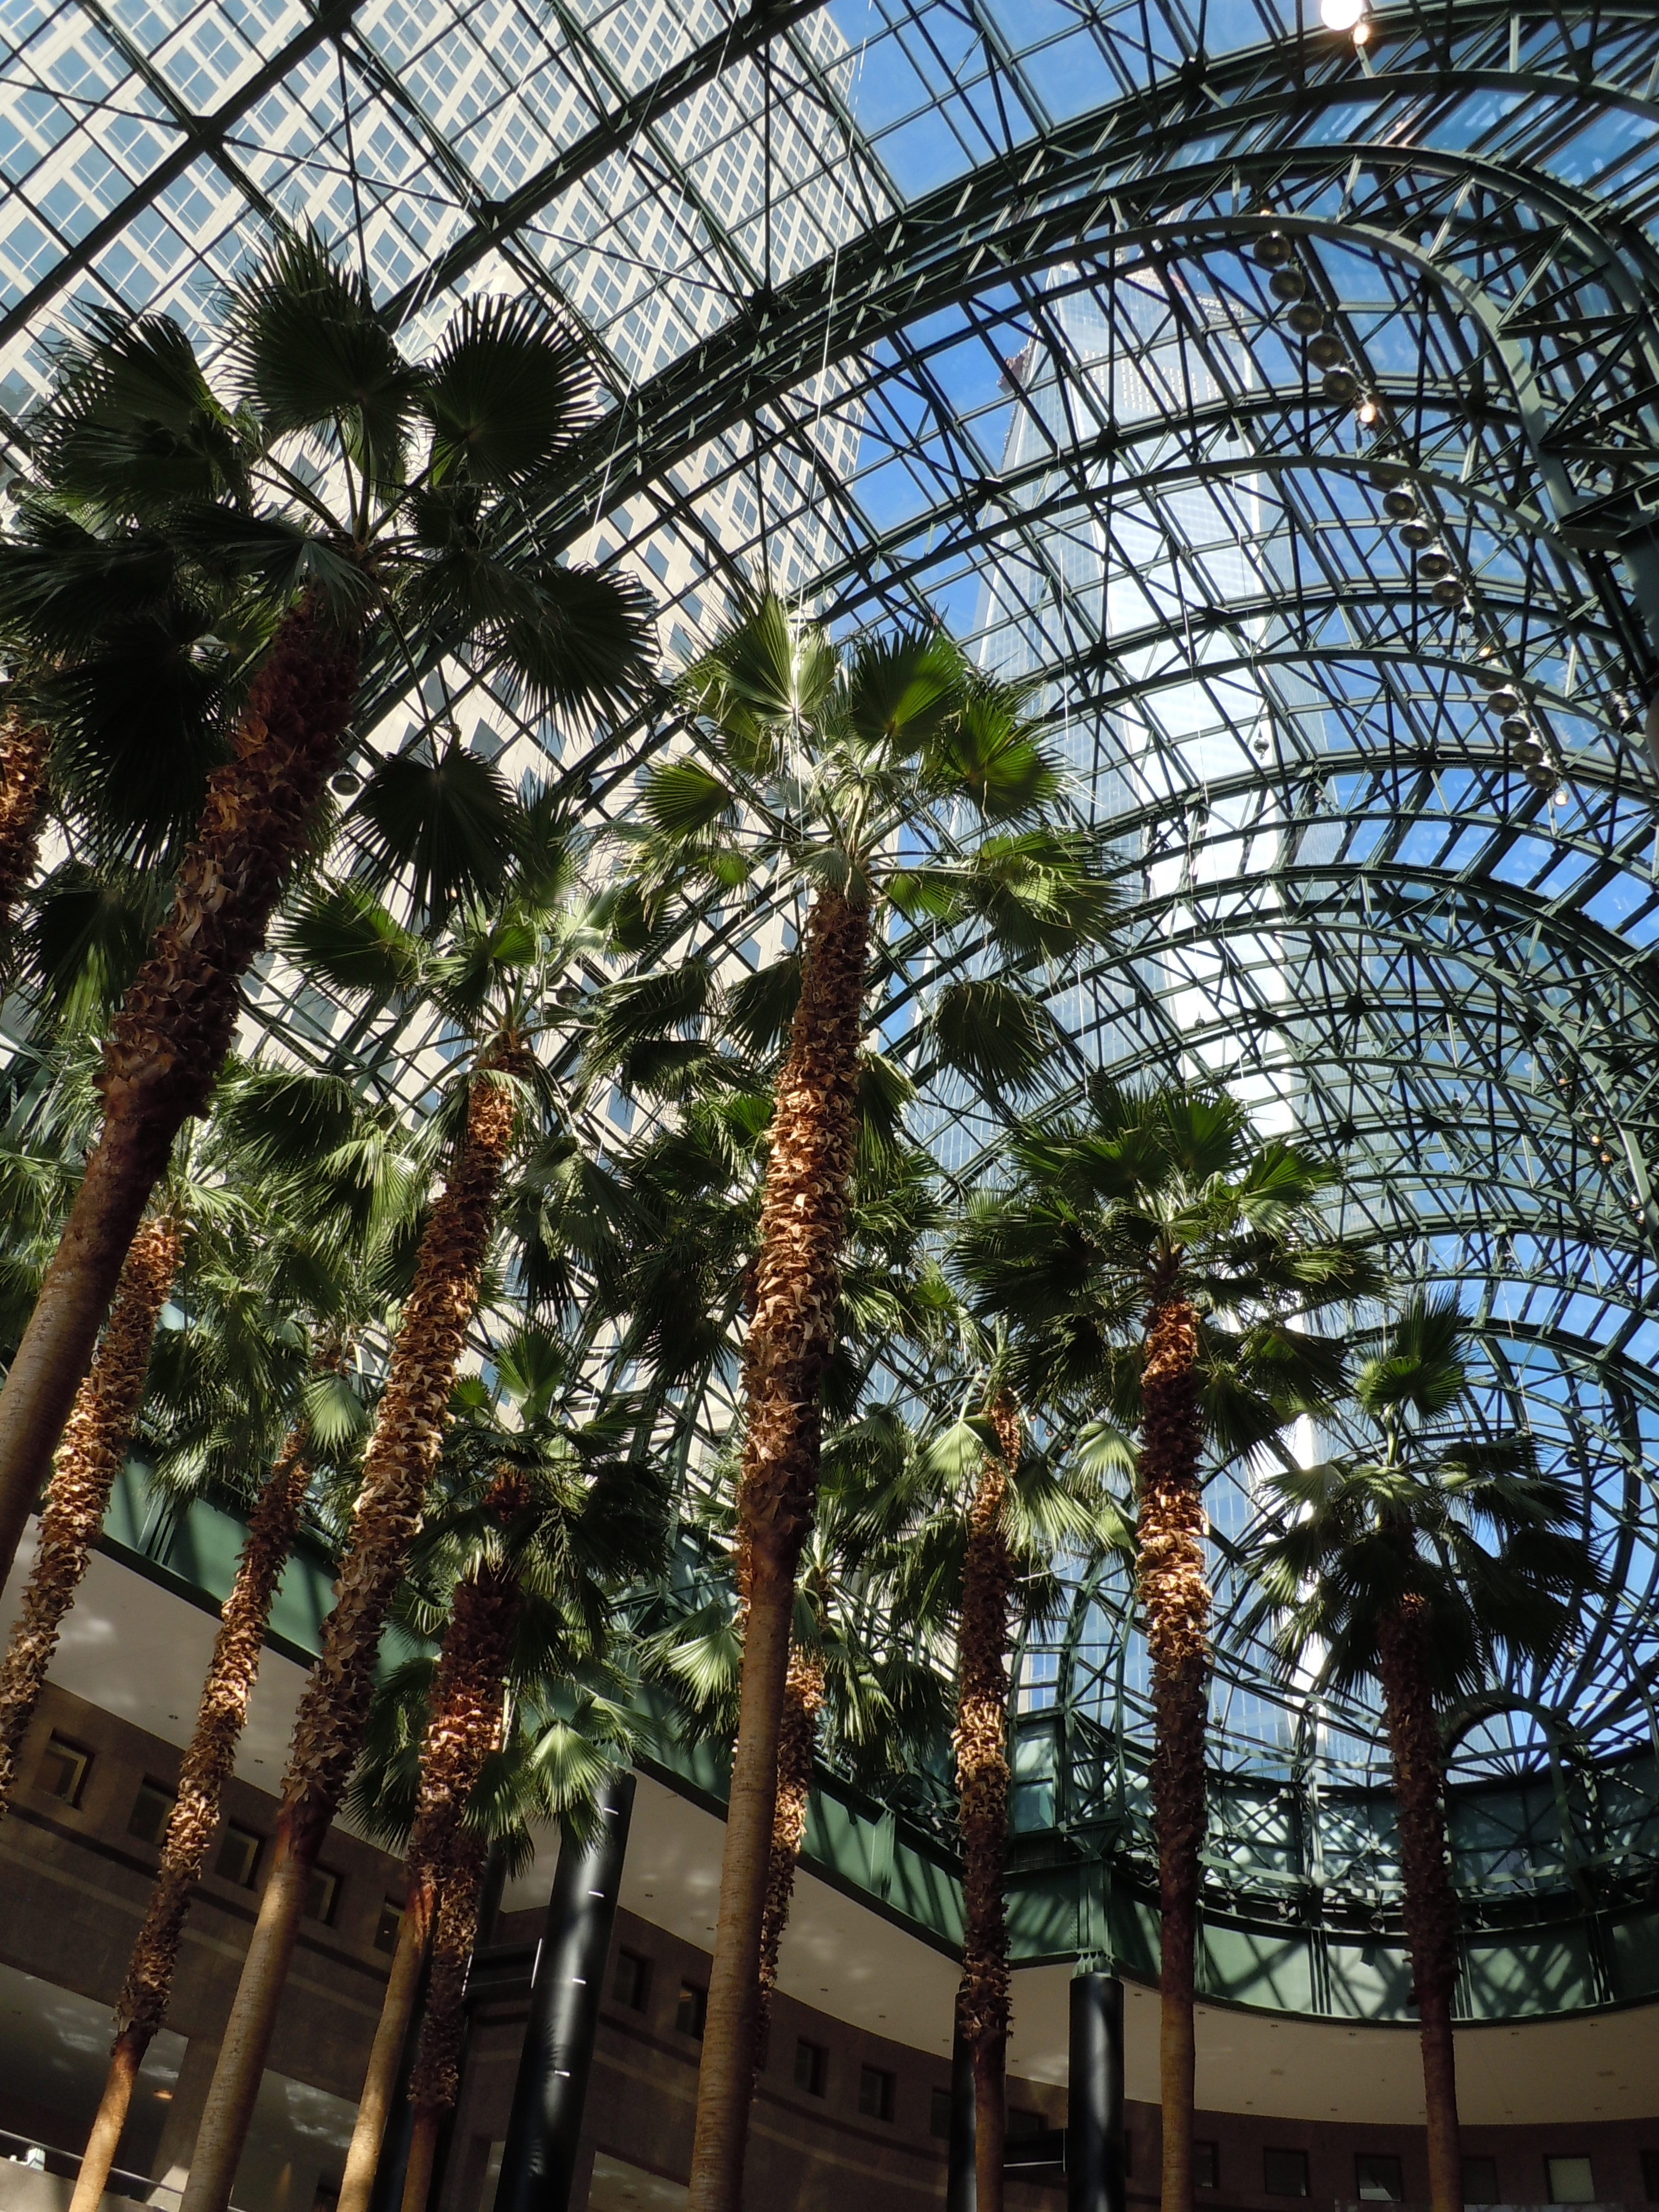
x=331, y=1897
x=79, y=1760
x=250, y=1880
x=886, y=2091
x=695, y=2000
x=1286, y=2151
x=639, y=1966
x=164, y=1797
x=1379, y=2157
x=815, y=2070
x=1553, y=2159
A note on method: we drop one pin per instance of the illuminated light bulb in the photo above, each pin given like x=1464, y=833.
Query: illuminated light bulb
x=1342, y=15
x=1362, y=32
x=1367, y=411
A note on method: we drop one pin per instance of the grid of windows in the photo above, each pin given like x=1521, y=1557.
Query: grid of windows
x=1413, y=926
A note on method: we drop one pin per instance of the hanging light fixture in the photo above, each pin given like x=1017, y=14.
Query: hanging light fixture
x=1342, y=14
x=1398, y=506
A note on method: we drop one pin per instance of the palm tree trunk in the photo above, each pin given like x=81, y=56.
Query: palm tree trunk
x=93, y=1452
x=437, y=2075
x=469, y=1692
x=23, y=748
x=328, y=1729
x=142, y=2006
x=391, y=2034
x=176, y=1025
x=1176, y=1604
x=803, y=1701
x=797, y=1276
x=1430, y=1902
x=981, y=1744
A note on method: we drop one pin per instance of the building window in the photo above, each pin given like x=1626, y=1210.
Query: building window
x=238, y=1855
x=1650, y=2175
x=1023, y=2121
x=1480, y=2181
x=692, y=2011
x=389, y=1926
x=875, y=2093
x=811, y=2067
x=152, y=1808
x=322, y=1893
x=631, y=1983
x=1376, y=2178
x=62, y=1770
x=1284, y=2172
x=1207, y=2164
x=1571, y=2180
x=939, y=2115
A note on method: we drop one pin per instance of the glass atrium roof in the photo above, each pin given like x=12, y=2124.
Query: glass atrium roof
x=1285, y=406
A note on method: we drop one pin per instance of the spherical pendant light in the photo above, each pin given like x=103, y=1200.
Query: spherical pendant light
x=1416, y=535
x=1273, y=251
x=1340, y=385
x=1287, y=283
x=1306, y=318
x=1400, y=505
x=1325, y=351
x=1433, y=565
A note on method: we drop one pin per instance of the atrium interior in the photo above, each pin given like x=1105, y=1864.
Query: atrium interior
x=830, y=1055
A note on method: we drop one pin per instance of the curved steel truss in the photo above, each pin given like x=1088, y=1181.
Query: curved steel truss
x=1275, y=404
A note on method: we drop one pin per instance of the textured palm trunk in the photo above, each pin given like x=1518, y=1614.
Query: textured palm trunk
x=23, y=748
x=981, y=1744
x=176, y=1025
x=437, y=2075
x=1175, y=1602
x=1431, y=1903
x=797, y=1738
x=328, y=1729
x=469, y=1692
x=93, y=1452
x=790, y=1339
x=220, y=1715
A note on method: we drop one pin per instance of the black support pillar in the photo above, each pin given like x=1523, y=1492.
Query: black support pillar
x=538, y=2160
x=1094, y=2112
x=962, y=2184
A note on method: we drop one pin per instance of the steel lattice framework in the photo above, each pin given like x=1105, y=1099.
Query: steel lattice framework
x=963, y=306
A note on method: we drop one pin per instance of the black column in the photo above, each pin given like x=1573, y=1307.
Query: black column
x=538, y=2160
x=1094, y=2104
x=961, y=2187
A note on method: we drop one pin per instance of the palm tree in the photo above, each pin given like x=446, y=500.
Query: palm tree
x=24, y=744
x=493, y=976
x=267, y=1339
x=892, y=782
x=210, y=1204
x=92, y=1453
x=420, y=533
x=856, y=1693
x=1415, y=1567
x=1158, y=1214
x=963, y=1527
x=542, y=1529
